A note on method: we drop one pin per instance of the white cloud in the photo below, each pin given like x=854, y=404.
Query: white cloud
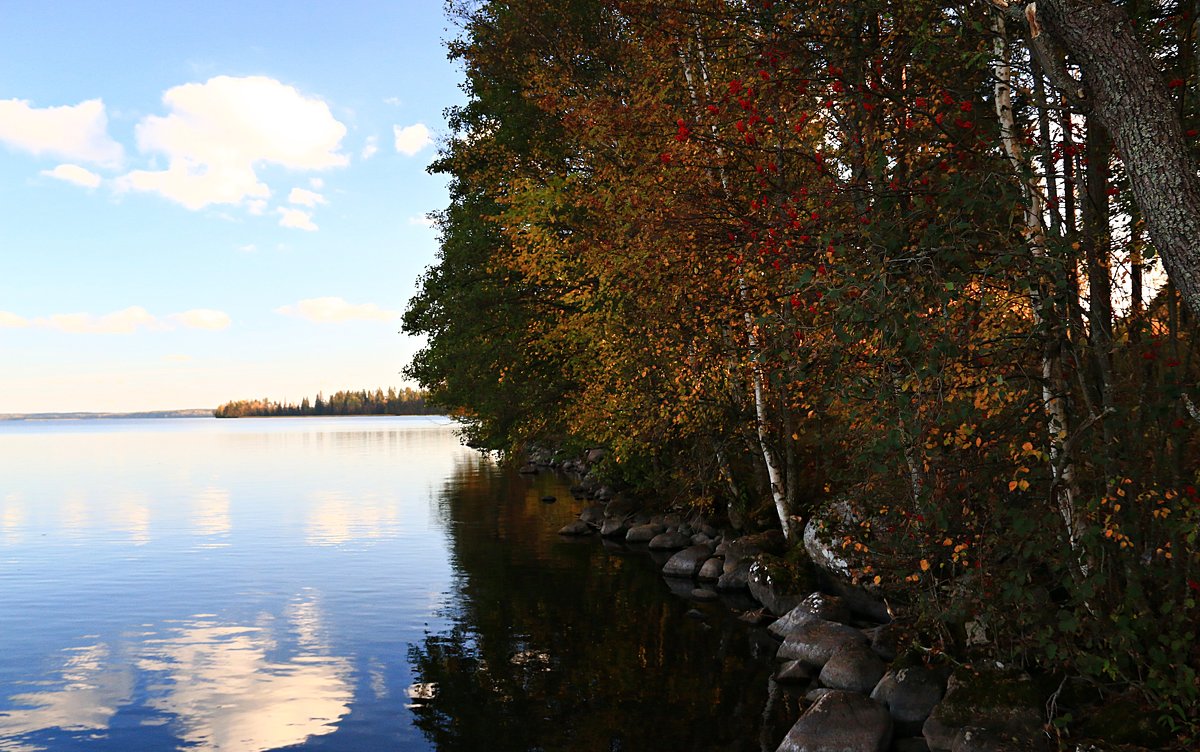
x=203, y=318
x=296, y=219
x=257, y=206
x=125, y=321
x=425, y=221
x=412, y=139
x=74, y=174
x=78, y=132
x=12, y=320
x=217, y=132
x=371, y=148
x=394, y=101
x=305, y=198
x=248, y=248
x=335, y=310
x=316, y=183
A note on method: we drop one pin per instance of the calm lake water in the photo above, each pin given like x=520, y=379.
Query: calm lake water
x=337, y=584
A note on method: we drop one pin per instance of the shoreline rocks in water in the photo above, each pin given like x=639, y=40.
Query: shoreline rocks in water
x=835, y=642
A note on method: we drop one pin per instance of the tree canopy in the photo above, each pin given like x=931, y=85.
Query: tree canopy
x=776, y=255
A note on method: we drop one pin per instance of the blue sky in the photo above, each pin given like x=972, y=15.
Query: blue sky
x=213, y=201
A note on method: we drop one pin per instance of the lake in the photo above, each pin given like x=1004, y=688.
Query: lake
x=338, y=584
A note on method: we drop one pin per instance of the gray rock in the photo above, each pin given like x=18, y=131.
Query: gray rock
x=722, y=548
x=817, y=693
x=853, y=667
x=642, y=533
x=669, y=541
x=613, y=527
x=699, y=538
x=840, y=722
x=711, y=571
x=619, y=507
x=709, y=530
x=737, y=578
x=885, y=641
x=910, y=694
x=593, y=515
x=816, y=641
x=1005, y=702
x=595, y=455
x=815, y=606
x=749, y=546
x=687, y=562
x=794, y=671
x=576, y=527
x=704, y=594
x=834, y=570
x=777, y=584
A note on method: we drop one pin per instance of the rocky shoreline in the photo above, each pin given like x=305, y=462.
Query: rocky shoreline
x=837, y=644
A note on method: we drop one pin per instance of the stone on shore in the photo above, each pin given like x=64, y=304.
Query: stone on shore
x=593, y=515
x=815, y=606
x=687, y=562
x=853, y=667
x=910, y=694
x=576, y=527
x=669, y=541
x=711, y=571
x=642, y=533
x=794, y=671
x=816, y=641
x=613, y=527
x=840, y=722
x=737, y=578
x=777, y=584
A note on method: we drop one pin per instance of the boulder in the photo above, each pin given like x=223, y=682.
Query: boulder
x=815, y=642
x=833, y=568
x=593, y=515
x=642, y=533
x=749, y=546
x=981, y=740
x=669, y=541
x=704, y=594
x=619, y=507
x=1006, y=704
x=576, y=527
x=687, y=562
x=778, y=584
x=815, y=606
x=840, y=722
x=794, y=671
x=910, y=694
x=594, y=455
x=885, y=641
x=613, y=527
x=699, y=538
x=853, y=667
x=711, y=571
x=737, y=578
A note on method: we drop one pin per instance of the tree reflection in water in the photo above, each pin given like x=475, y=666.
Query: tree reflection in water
x=561, y=644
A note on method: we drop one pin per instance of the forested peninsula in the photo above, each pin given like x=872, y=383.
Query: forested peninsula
x=404, y=401
x=924, y=272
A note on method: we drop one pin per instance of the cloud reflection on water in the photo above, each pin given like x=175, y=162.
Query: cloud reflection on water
x=223, y=687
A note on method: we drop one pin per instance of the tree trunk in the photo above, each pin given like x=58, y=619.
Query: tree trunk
x=1126, y=91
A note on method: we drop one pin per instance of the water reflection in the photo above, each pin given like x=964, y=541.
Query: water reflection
x=218, y=685
x=12, y=519
x=557, y=644
x=211, y=515
x=227, y=691
x=93, y=687
x=336, y=518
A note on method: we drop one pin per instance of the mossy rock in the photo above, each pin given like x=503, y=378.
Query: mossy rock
x=997, y=699
x=1122, y=720
x=780, y=584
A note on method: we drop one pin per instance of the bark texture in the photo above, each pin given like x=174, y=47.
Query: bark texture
x=1126, y=91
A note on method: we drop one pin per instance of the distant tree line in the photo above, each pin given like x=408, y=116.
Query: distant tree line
x=363, y=402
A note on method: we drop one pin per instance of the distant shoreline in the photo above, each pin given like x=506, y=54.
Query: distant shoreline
x=194, y=413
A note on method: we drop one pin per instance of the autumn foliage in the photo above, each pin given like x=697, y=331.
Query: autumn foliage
x=774, y=255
